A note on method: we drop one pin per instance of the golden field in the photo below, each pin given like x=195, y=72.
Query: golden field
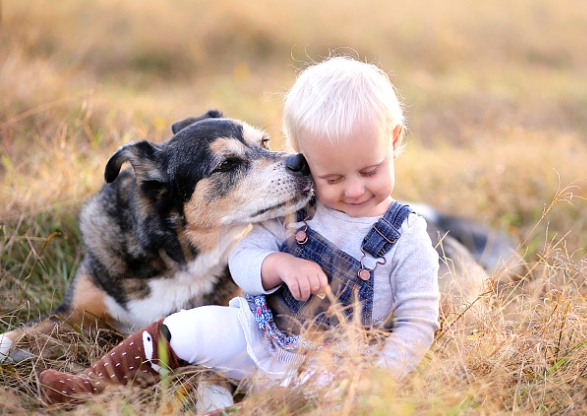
x=495, y=95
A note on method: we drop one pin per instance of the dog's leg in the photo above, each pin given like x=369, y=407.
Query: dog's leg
x=140, y=359
x=9, y=342
x=83, y=307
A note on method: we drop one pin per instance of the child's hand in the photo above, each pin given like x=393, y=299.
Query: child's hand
x=302, y=277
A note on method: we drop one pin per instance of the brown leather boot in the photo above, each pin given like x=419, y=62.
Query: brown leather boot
x=138, y=360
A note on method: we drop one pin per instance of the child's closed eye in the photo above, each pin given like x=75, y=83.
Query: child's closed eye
x=332, y=181
x=369, y=173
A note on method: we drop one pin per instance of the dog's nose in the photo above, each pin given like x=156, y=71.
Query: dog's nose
x=297, y=163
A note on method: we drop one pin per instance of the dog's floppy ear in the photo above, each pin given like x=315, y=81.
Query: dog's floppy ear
x=143, y=157
x=182, y=124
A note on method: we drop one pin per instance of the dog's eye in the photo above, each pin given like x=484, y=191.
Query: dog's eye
x=264, y=143
x=227, y=164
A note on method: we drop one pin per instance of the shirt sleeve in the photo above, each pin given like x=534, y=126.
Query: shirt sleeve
x=415, y=313
x=246, y=259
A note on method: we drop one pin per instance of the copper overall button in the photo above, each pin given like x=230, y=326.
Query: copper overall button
x=364, y=274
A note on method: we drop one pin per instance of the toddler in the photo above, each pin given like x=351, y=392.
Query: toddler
x=354, y=247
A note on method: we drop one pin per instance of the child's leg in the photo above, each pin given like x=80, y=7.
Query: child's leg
x=212, y=337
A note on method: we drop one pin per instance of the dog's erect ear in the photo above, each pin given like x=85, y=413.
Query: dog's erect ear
x=182, y=124
x=143, y=157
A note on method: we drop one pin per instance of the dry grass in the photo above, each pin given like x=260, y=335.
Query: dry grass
x=495, y=99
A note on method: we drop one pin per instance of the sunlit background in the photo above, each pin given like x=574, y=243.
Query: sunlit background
x=495, y=95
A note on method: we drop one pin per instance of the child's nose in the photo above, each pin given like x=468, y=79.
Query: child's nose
x=354, y=188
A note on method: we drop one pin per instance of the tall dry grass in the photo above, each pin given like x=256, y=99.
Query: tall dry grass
x=495, y=96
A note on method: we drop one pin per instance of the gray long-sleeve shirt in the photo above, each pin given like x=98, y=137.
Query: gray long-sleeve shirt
x=406, y=285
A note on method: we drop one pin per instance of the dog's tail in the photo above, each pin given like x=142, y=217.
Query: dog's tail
x=490, y=248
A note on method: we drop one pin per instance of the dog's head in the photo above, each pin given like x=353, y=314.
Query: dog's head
x=213, y=173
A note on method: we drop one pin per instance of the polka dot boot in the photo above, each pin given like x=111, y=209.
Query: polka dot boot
x=138, y=360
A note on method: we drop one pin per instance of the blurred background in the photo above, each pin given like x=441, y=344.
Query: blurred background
x=495, y=93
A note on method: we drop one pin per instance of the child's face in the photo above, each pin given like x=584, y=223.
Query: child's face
x=355, y=176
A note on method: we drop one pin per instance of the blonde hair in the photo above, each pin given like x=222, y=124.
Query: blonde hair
x=328, y=99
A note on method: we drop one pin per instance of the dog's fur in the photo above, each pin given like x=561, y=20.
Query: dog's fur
x=158, y=235
x=474, y=259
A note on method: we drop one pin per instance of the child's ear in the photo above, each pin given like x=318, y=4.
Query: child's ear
x=397, y=134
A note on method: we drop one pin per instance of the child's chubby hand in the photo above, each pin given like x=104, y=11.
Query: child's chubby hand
x=302, y=277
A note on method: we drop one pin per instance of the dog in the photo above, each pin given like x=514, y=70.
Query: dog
x=157, y=236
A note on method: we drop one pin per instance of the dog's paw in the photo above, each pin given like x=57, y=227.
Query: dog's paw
x=5, y=344
x=10, y=355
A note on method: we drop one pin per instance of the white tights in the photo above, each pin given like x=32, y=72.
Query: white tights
x=211, y=336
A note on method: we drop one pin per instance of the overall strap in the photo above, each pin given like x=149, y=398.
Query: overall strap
x=385, y=232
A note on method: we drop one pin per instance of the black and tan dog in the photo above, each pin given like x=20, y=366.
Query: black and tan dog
x=158, y=235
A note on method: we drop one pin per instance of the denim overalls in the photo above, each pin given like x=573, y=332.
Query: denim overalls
x=282, y=317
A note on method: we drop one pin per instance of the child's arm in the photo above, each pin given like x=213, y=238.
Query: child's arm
x=258, y=267
x=416, y=293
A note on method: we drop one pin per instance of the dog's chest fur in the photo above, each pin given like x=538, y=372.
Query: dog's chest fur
x=203, y=280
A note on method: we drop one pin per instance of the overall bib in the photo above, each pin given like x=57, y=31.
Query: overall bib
x=281, y=317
